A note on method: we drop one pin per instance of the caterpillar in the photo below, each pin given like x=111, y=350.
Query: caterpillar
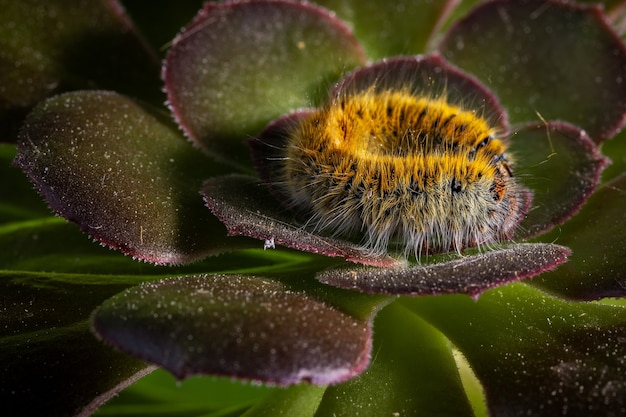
x=408, y=172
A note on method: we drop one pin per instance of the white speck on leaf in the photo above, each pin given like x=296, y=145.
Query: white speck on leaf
x=269, y=244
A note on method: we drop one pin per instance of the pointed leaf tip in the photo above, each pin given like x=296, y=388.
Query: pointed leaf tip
x=471, y=275
x=241, y=326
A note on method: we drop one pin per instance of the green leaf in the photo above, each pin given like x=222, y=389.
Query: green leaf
x=535, y=354
x=239, y=65
x=123, y=174
x=300, y=400
x=405, y=27
x=597, y=237
x=413, y=366
x=161, y=395
x=558, y=59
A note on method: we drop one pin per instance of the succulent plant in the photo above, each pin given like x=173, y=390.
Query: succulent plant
x=230, y=262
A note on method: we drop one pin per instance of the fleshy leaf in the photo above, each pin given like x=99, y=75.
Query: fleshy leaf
x=597, y=236
x=386, y=29
x=299, y=400
x=558, y=59
x=413, y=366
x=241, y=326
x=535, y=354
x=47, y=352
x=123, y=174
x=246, y=208
x=54, y=46
x=461, y=9
x=470, y=274
x=239, y=65
x=431, y=76
x=562, y=166
x=161, y=394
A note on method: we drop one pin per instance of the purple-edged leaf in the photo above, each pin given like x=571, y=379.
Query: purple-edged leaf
x=562, y=165
x=241, y=326
x=53, y=46
x=247, y=208
x=554, y=58
x=404, y=27
x=123, y=174
x=597, y=236
x=431, y=76
x=536, y=355
x=239, y=65
x=469, y=275
x=413, y=370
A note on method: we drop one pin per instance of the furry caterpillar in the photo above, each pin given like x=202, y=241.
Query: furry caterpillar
x=407, y=171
